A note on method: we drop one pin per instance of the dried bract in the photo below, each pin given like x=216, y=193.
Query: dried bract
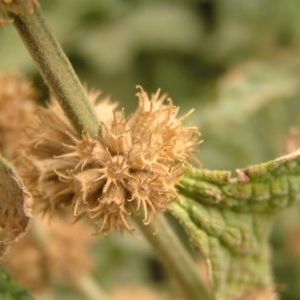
x=15, y=208
x=132, y=167
x=15, y=7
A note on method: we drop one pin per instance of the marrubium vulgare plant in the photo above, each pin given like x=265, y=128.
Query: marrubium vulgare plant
x=131, y=167
x=120, y=171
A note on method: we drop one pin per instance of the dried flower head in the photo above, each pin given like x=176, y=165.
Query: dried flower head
x=17, y=97
x=132, y=167
x=50, y=253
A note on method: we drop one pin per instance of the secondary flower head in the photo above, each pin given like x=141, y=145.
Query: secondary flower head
x=17, y=106
x=131, y=168
x=51, y=253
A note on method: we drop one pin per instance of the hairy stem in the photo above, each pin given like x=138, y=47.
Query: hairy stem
x=61, y=78
x=175, y=258
x=55, y=67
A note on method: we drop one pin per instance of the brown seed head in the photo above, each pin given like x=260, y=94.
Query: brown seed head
x=131, y=168
x=17, y=108
x=50, y=253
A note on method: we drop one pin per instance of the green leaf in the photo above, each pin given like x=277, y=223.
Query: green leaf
x=9, y=290
x=229, y=220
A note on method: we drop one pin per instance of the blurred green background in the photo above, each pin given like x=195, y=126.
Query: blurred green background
x=236, y=62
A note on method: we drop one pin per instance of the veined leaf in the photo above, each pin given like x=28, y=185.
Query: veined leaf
x=229, y=220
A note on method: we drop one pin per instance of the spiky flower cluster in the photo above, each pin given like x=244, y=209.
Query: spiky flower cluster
x=131, y=168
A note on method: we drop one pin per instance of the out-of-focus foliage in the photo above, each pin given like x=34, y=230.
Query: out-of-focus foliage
x=9, y=290
x=236, y=62
x=228, y=220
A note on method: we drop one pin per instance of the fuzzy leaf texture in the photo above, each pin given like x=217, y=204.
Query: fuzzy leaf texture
x=15, y=207
x=229, y=220
x=10, y=290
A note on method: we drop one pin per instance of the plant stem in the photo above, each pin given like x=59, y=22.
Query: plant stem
x=88, y=288
x=61, y=78
x=175, y=258
x=55, y=67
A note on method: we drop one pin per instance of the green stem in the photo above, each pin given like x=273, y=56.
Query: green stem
x=61, y=78
x=88, y=288
x=175, y=258
x=55, y=68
